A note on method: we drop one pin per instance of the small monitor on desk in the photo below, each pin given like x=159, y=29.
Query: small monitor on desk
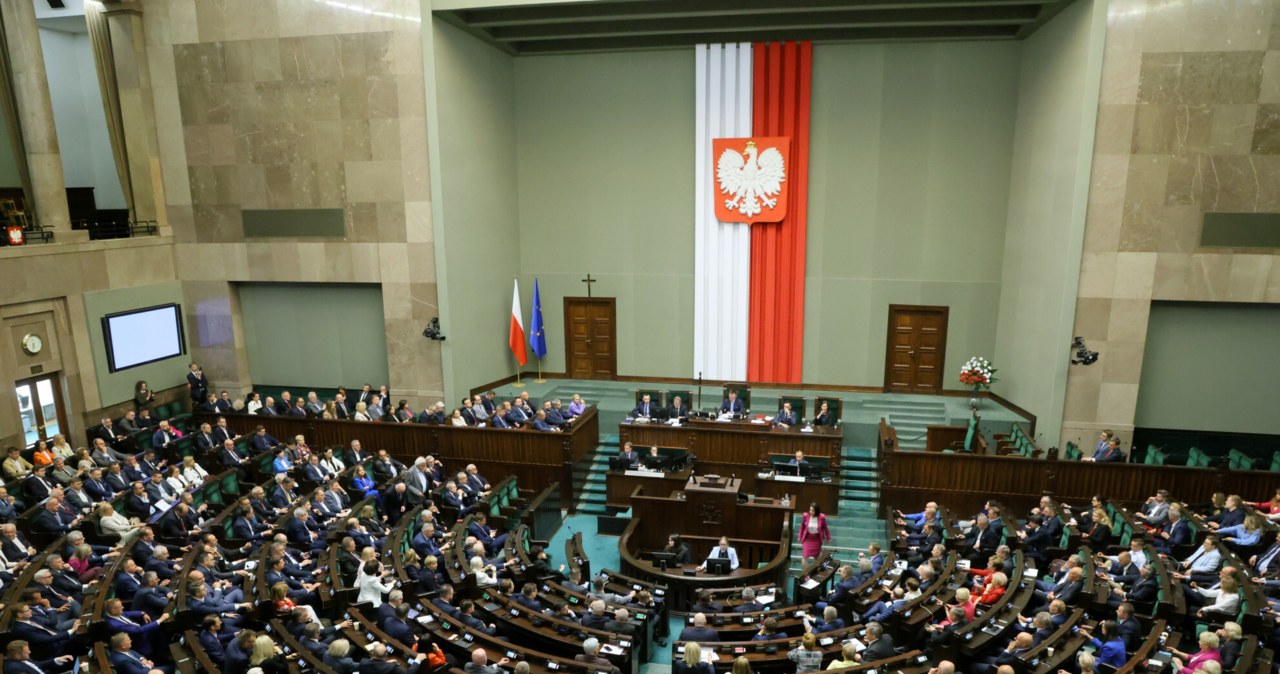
x=810, y=469
x=619, y=464
x=718, y=566
x=786, y=469
x=664, y=560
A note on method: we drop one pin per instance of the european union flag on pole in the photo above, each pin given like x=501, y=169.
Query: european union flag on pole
x=537, y=336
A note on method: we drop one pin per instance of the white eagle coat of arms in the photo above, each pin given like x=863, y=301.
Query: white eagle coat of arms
x=752, y=181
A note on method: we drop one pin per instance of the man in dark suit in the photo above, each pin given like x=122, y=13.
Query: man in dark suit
x=59, y=641
x=1175, y=532
x=479, y=528
x=51, y=521
x=678, y=409
x=138, y=503
x=879, y=644
x=18, y=661
x=213, y=639
x=378, y=663
x=151, y=598
x=1144, y=591
x=699, y=631
x=341, y=407
x=621, y=623
x=749, y=604
x=115, y=478
x=1035, y=538
x=222, y=432
x=1130, y=629
x=786, y=417
x=204, y=439
x=163, y=437
x=466, y=616
x=1110, y=454
x=944, y=636
x=398, y=628
x=36, y=487
x=732, y=405
x=645, y=409
x=981, y=542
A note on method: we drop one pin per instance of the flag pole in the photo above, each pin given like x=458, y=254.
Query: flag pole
x=517, y=383
x=540, y=380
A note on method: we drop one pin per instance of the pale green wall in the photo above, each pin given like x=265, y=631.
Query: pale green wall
x=1053, y=146
x=326, y=334
x=471, y=132
x=606, y=177
x=118, y=387
x=1191, y=379
x=908, y=185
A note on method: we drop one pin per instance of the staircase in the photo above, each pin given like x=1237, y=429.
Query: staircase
x=910, y=417
x=590, y=473
x=859, y=521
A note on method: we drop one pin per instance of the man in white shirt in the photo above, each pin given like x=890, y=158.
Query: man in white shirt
x=1202, y=565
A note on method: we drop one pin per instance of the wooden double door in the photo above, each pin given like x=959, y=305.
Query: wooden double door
x=591, y=337
x=916, y=352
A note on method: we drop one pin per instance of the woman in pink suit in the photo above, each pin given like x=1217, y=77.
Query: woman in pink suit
x=813, y=533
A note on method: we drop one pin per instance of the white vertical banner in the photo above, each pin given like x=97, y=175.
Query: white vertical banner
x=722, y=264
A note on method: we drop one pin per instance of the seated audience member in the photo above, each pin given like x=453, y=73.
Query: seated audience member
x=699, y=631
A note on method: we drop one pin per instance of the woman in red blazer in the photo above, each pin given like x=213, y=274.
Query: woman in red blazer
x=813, y=533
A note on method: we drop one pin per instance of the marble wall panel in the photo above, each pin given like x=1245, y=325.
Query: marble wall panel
x=1188, y=123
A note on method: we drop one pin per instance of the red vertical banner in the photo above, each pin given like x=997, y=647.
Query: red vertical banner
x=783, y=76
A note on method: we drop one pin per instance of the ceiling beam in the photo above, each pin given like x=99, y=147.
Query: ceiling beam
x=658, y=9
x=669, y=41
x=1015, y=15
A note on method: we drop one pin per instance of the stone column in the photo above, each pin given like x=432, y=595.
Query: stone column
x=35, y=114
x=137, y=110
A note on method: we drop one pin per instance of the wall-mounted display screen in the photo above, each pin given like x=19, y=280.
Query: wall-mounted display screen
x=143, y=336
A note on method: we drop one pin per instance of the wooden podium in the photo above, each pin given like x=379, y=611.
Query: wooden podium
x=712, y=506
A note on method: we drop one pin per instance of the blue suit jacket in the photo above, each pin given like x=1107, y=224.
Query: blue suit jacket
x=481, y=534
x=699, y=634
x=212, y=647
x=785, y=417
x=736, y=407
x=540, y=425
x=128, y=663
x=400, y=631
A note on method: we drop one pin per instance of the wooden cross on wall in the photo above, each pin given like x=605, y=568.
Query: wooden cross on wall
x=588, y=280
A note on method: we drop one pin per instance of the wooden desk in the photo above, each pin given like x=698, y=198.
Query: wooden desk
x=735, y=446
x=536, y=459
x=967, y=481
x=620, y=484
x=763, y=558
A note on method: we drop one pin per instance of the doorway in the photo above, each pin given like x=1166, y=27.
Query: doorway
x=591, y=337
x=40, y=406
x=916, y=351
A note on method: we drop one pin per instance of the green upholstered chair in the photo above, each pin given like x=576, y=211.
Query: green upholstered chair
x=655, y=396
x=797, y=406
x=834, y=405
x=744, y=394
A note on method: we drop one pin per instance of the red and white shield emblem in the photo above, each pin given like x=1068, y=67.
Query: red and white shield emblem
x=751, y=174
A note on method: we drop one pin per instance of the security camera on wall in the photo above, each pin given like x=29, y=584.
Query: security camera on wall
x=432, y=331
x=1083, y=356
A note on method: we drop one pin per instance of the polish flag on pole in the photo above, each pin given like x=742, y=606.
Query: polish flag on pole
x=516, y=339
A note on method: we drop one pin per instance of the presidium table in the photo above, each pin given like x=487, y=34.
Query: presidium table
x=741, y=449
x=701, y=510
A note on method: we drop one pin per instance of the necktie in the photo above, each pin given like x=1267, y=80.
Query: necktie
x=46, y=629
x=35, y=668
x=126, y=620
x=1266, y=559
